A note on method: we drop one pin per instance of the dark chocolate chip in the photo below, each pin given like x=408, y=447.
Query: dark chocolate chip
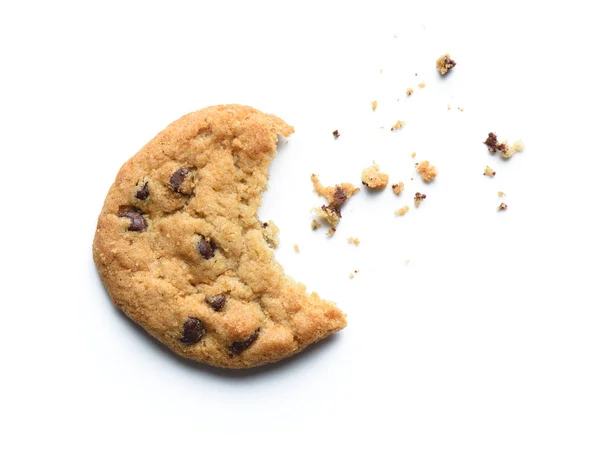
x=193, y=331
x=333, y=209
x=336, y=134
x=216, y=302
x=265, y=224
x=138, y=223
x=491, y=142
x=238, y=347
x=143, y=192
x=206, y=248
x=339, y=197
x=178, y=178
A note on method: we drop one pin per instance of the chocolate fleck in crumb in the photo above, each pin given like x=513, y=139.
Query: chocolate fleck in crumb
x=296, y=248
x=238, y=347
x=489, y=171
x=330, y=232
x=503, y=148
x=398, y=188
x=502, y=207
x=427, y=171
x=402, y=211
x=216, y=302
x=206, y=248
x=337, y=196
x=353, y=240
x=265, y=224
x=193, y=331
x=409, y=92
x=373, y=178
x=336, y=134
x=418, y=198
x=444, y=64
x=501, y=194
x=143, y=192
x=374, y=105
x=353, y=274
x=137, y=220
x=270, y=232
x=422, y=85
x=178, y=178
x=398, y=125
x=314, y=225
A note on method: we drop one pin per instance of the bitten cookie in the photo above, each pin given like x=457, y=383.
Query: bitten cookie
x=181, y=251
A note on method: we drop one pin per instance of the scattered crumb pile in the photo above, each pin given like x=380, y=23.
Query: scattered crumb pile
x=427, y=171
x=373, y=178
x=353, y=240
x=418, y=198
x=401, y=211
x=444, y=64
x=398, y=188
x=503, y=148
x=337, y=196
x=489, y=171
x=398, y=125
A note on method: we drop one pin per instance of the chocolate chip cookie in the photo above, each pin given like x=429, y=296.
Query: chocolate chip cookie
x=181, y=250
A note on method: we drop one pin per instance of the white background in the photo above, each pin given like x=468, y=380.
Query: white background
x=487, y=338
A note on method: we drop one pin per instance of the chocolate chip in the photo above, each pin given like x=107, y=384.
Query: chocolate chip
x=193, y=331
x=143, y=192
x=138, y=223
x=178, y=178
x=265, y=224
x=206, y=248
x=334, y=210
x=339, y=197
x=491, y=142
x=238, y=347
x=216, y=302
x=336, y=134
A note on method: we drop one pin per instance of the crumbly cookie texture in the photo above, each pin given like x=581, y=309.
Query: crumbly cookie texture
x=181, y=251
x=373, y=178
x=409, y=92
x=315, y=224
x=337, y=196
x=399, y=124
x=427, y=171
x=506, y=151
x=489, y=171
x=397, y=188
x=401, y=211
x=353, y=240
x=444, y=64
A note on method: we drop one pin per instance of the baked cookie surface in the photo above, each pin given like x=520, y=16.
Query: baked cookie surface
x=180, y=249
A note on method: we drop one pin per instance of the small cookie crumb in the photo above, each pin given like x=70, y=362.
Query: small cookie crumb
x=413, y=154
x=489, y=171
x=418, y=198
x=398, y=188
x=501, y=194
x=315, y=224
x=461, y=109
x=427, y=171
x=409, y=92
x=353, y=274
x=271, y=233
x=330, y=232
x=503, y=148
x=422, y=85
x=444, y=64
x=296, y=248
x=336, y=134
x=398, y=125
x=502, y=207
x=353, y=240
x=374, y=105
x=449, y=108
x=337, y=196
x=401, y=211
x=373, y=178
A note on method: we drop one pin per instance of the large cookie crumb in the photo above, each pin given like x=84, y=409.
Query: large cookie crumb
x=427, y=171
x=397, y=188
x=444, y=64
x=337, y=196
x=373, y=178
x=506, y=151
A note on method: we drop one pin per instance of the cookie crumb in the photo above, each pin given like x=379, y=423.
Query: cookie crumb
x=398, y=125
x=514, y=148
x=296, y=248
x=502, y=207
x=330, y=232
x=449, y=108
x=427, y=171
x=398, y=188
x=402, y=211
x=353, y=274
x=422, y=85
x=489, y=171
x=271, y=234
x=461, y=109
x=444, y=64
x=337, y=196
x=503, y=148
x=353, y=240
x=409, y=92
x=374, y=105
x=336, y=134
x=413, y=154
x=373, y=178
x=315, y=224
x=501, y=194
x=418, y=198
